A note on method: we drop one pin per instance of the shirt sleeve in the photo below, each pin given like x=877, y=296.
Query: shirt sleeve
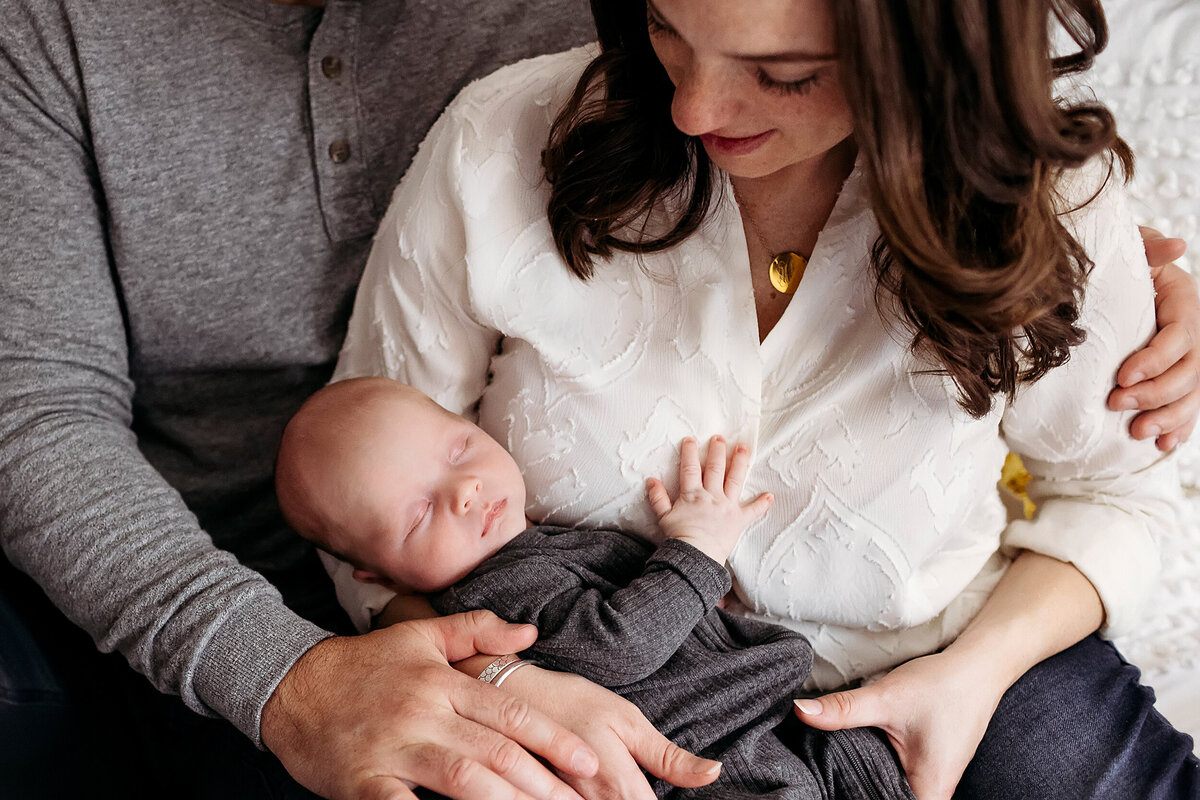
x=1103, y=499
x=81, y=510
x=611, y=635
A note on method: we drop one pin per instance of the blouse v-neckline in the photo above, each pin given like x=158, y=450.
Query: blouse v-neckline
x=816, y=284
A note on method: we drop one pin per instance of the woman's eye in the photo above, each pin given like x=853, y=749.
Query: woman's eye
x=655, y=26
x=460, y=450
x=801, y=86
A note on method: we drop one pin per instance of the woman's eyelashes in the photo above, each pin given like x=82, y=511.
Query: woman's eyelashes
x=801, y=86
x=656, y=26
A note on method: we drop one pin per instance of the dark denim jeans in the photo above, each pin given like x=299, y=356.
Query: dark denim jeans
x=78, y=723
x=1079, y=725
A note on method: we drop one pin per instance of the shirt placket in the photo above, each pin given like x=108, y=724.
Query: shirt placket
x=338, y=142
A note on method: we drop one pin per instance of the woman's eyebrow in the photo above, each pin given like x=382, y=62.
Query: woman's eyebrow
x=789, y=56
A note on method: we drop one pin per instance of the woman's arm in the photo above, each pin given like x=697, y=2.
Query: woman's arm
x=935, y=709
x=1089, y=556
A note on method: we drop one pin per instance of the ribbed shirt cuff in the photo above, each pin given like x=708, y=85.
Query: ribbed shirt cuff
x=709, y=579
x=247, y=657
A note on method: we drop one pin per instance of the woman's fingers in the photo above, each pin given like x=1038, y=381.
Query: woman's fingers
x=853, y=708
x=714, y=467
x=664, y=759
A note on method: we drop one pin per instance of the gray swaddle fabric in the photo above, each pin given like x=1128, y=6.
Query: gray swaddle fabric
x=643, y=621
x=187, y=196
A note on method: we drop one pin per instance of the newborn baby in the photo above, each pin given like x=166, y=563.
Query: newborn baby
x=422, y=501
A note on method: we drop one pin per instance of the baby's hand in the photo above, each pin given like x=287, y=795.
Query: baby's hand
x=708, y=513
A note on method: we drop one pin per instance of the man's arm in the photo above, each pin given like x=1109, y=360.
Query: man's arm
x=81, y=510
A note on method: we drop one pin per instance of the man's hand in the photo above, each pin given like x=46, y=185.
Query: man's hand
x=708, y=514
x=371, y=716
x=616, y=730
x=1163, y=378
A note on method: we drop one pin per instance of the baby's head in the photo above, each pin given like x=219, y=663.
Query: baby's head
x=413, y=496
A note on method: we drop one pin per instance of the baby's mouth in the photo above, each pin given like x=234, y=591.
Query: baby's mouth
x=493, y=512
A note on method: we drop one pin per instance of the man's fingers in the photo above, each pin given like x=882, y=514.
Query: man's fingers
x=659, y=756
x=385, y=787
x=714, y=466
x=461, y=636
x=531, y=729
x=1169, y=418
x=1168, y=346
x=1169, y=441
x=1161, y=250
x=1171, y=386
x=855, y=708
x=455, y=775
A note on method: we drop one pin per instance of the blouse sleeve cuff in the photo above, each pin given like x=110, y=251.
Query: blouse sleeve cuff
x=1112, y=544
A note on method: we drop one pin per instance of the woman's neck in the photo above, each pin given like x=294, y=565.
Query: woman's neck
x=786, y=211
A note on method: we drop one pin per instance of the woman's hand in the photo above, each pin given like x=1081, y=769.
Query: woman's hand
x=371, y=716
x=934, y=711
x=616, y=730
x=1163, y=378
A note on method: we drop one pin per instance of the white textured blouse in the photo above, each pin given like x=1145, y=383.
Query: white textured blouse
x=887, y=531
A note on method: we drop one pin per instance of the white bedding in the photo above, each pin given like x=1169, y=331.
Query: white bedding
x=1150, y=78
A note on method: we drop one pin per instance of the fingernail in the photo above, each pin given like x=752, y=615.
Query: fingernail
x=708, y=768
x=1136, y=377
x=1153, y=430
x=810, y=707
x=585, y=762
x=1127, y=404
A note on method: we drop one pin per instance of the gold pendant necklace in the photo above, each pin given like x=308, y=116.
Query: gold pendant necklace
x=786, y=271
x=787, y=268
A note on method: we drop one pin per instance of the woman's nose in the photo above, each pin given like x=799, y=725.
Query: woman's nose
x=465, y=490
x=704, y=102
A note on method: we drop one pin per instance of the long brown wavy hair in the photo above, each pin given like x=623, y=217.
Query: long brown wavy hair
x=962, y=142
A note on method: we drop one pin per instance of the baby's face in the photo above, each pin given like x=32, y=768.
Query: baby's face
x=442, y=497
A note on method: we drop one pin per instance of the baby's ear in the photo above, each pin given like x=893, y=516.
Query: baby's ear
x=364, y=576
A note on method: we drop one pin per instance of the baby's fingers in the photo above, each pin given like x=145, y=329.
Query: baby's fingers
x=656, y=493
x=739, y=465
x=758, y=506
x=714, y=466
x=690, y=477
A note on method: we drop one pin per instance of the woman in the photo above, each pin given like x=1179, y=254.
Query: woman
x=912, y=155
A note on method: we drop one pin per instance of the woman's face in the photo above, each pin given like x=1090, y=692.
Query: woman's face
x=756, y=80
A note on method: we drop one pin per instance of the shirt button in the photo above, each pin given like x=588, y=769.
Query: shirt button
x=339, y=151
x=331, y=66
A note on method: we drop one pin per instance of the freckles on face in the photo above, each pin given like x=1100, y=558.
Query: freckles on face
x=757, y=80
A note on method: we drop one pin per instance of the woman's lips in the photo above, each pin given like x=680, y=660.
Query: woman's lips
x=734, y=146
x=493, y=513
